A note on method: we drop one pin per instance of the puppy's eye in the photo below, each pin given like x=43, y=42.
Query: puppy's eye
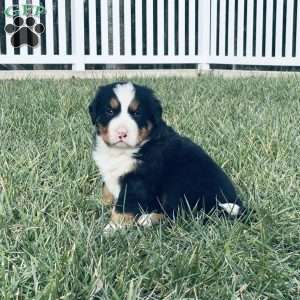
x=109, y=111
x=136, y=113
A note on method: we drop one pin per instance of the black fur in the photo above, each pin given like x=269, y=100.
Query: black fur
x=173, y=172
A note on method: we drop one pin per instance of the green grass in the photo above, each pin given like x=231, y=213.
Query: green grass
x=51, y=219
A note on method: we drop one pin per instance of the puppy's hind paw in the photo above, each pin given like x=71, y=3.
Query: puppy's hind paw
x=230, y=208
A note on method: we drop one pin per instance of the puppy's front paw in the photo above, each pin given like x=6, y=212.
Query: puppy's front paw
x=112, y=227
x=145, y=220
x=148, y=220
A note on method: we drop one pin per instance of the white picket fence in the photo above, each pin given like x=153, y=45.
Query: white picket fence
x=201, y=32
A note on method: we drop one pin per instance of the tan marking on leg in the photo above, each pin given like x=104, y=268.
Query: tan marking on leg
x=107, y=197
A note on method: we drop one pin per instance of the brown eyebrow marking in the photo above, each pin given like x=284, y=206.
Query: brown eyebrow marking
x=114, y=103
x=134, y=105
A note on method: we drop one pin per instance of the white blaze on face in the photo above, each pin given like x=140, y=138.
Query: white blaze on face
x=123, y=122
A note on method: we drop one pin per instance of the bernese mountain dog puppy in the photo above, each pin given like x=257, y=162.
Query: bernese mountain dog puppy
x=149, y=171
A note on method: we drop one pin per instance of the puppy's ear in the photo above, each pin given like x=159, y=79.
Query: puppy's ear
x=92, y=111
x=156, y=110
x=103, y=92
x=95, y=104
x=153, y=104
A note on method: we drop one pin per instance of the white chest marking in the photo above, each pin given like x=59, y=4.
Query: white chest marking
x=113, y=163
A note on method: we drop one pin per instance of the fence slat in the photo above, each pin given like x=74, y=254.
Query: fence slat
x=289, y=28
x=77, y=21
x=49, y=27
x=92, y=28
x=160, y=28
x=231, y=16
x=138, y=27
x=259, y=28
x=204, y=41
x=192, y=27
x=127, y=27
x=104, y=27
x=222, y=28
x=213, y=28
x=8, y=20
x=181, y=27
x=240, y=33
x=269, y=28
x=249, y=43
x=23, y=48
x=298, y=30
x=62, y=32
x=279, y=23
x=37, y=49
x=171, y=27
x=116, y=26
x=149, y=27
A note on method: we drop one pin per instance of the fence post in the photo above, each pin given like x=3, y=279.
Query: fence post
x=204, y=34
x=77, y=23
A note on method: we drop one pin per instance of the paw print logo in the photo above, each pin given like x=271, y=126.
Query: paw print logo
x=24, y=31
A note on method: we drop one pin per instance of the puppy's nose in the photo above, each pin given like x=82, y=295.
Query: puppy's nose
x=122, y=133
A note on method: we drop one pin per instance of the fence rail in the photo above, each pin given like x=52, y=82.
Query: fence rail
x=202, y=32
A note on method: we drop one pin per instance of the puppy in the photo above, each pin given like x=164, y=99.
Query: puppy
x=150, y=171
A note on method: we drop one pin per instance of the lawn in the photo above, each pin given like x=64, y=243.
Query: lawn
x=51, y=217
